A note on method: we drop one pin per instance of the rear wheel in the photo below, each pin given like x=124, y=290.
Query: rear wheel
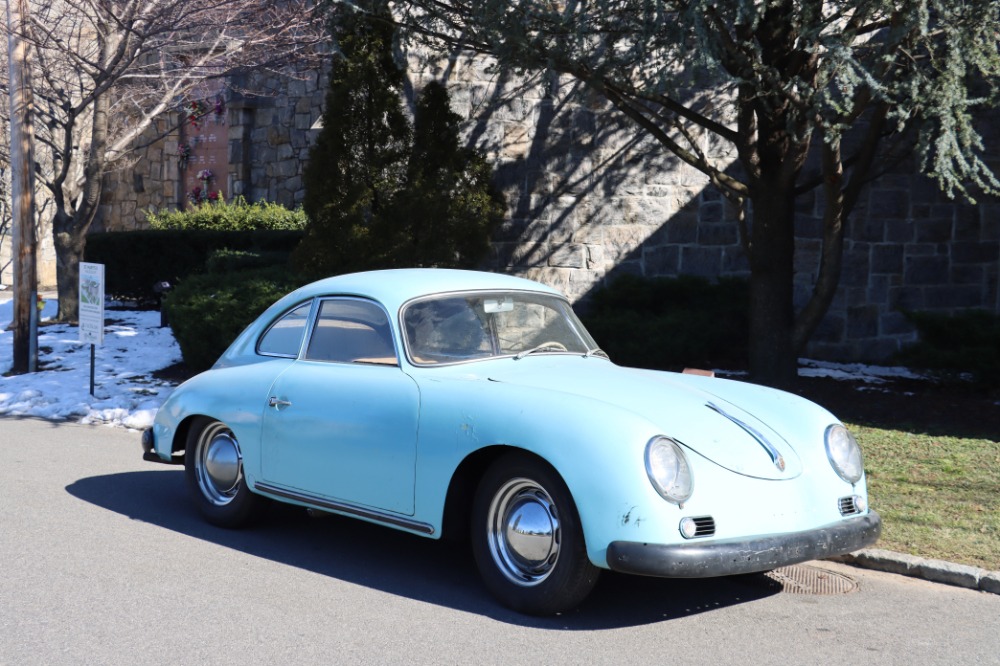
x=527, y=539
x=213, y=464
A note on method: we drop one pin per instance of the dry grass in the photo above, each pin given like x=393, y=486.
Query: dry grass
x=939, y=496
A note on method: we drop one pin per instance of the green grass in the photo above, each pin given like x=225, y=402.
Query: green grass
x=939, y=497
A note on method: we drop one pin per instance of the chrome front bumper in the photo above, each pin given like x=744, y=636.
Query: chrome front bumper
x=726, y=558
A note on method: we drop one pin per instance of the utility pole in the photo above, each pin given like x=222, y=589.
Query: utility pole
x=22, y=163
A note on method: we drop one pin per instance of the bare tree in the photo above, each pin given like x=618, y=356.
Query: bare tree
x=107, y=69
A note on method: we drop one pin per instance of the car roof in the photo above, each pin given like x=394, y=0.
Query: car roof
x=396, y=286
x=392, y=288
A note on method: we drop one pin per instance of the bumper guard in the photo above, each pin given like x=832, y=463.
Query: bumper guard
x=149, y=451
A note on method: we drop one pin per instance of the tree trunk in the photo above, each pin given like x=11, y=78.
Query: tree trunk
x=773, y=359
x=831, y=257
x=69, y=231
x=70, y=241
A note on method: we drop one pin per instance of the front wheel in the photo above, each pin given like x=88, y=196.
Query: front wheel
x=213, y=464
x=527, y=539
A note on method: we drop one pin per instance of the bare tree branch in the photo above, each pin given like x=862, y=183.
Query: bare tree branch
x=107, y=70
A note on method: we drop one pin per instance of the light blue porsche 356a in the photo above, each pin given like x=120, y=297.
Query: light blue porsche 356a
x=448, y=402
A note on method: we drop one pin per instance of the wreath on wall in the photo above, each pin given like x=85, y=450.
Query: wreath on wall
x=204, y=192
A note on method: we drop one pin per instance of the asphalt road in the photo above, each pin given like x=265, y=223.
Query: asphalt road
x=104, y=561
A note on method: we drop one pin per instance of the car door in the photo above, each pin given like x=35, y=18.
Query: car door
x=341, y=421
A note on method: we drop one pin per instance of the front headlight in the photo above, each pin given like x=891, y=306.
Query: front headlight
x=844, y=453
x=668, y=470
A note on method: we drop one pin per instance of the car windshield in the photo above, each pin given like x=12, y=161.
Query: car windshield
x=453, y=328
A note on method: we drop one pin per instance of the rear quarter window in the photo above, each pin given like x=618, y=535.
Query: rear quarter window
x=284, y=337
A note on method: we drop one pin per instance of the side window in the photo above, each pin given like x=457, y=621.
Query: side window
x=350, y=330
x=284, y=337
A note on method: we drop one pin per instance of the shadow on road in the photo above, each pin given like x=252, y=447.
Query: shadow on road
x=437, y=572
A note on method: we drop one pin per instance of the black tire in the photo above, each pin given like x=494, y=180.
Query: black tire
x=213, y=464
x=543, y=568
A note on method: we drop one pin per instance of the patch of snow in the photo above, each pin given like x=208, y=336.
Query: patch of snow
x=870, y=374
x=126, y=393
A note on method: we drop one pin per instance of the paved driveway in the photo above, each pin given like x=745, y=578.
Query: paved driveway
x=106, y=562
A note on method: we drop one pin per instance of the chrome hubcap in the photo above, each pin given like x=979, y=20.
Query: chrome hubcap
x=218, y=464
x=524, y=532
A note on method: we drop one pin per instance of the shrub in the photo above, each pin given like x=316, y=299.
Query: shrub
x=953, y=345
x=207, y=311
x=230, y=261
x=136, y=260
x=671, y=323
x=235, y=215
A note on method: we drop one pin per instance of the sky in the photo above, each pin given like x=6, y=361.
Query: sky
x=126, y=393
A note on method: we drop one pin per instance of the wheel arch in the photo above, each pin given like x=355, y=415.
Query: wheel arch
x=461, y=489
x=179, y=442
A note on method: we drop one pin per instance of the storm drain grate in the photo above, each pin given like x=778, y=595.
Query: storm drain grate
x=801, y=579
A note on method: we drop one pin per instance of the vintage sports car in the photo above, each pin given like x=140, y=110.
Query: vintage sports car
x=447, y=403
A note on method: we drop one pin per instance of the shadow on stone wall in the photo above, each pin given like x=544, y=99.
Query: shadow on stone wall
x=589, y=199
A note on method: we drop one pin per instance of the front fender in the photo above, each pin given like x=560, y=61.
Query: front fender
x=596, y=447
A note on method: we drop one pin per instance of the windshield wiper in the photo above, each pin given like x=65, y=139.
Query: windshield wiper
x=597, y=352
x=539, y=348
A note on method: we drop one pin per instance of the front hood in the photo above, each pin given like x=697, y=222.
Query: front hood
x=697, y=417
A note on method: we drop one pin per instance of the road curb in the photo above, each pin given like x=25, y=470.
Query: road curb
x=937, y=571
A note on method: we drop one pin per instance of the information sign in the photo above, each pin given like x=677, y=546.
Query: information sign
x=92, y=303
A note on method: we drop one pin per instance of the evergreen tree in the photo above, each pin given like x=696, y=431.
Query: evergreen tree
x=449, y=207
x=359, y=161
x=380, y=194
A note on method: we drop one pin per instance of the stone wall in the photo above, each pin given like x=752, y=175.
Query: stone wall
x=588, y=199
x=268, y=137
x=271, y=136
x=909, y=249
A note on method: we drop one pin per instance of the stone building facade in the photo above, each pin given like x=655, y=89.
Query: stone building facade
x=264, y=139
x=588, y=199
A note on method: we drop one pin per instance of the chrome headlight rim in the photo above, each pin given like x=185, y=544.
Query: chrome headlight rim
x=844, y=453
x=678, y=486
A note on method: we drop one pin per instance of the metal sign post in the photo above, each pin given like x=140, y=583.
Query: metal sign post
x=92, y=310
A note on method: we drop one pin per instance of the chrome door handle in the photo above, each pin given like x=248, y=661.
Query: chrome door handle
x=274, y=402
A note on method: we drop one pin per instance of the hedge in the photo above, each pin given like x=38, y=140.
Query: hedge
x=137, y=260
x=671, y=323
x=236, y=215
x=208, y=311
x=960, y=346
